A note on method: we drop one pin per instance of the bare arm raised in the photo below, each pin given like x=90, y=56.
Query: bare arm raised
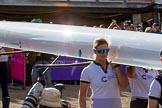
x=122, y=79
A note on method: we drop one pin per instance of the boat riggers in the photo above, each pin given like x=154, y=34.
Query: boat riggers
x=31, y=100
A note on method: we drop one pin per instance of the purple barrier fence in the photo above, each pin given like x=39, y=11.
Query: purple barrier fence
x=67, y=73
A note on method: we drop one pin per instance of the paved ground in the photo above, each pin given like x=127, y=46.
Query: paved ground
x=70, y=93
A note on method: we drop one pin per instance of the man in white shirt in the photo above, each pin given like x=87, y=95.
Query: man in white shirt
x=139, y=81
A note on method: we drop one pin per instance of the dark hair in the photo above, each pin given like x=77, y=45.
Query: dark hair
x=139, y=28
x=99, y=41
x=127, y=22
x=155, y=24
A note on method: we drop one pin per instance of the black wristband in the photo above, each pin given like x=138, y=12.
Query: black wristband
x=116, y=65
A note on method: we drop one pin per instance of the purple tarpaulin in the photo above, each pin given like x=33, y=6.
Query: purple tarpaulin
x=67, y=73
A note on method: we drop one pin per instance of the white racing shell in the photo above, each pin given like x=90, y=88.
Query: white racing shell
x=127, y=47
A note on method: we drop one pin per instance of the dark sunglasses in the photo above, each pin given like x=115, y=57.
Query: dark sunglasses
x=102, y=51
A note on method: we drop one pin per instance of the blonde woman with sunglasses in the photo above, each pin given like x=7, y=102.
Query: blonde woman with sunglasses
x=104, y=79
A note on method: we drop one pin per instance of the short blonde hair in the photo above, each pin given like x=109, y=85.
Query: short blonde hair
x=99, y=41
